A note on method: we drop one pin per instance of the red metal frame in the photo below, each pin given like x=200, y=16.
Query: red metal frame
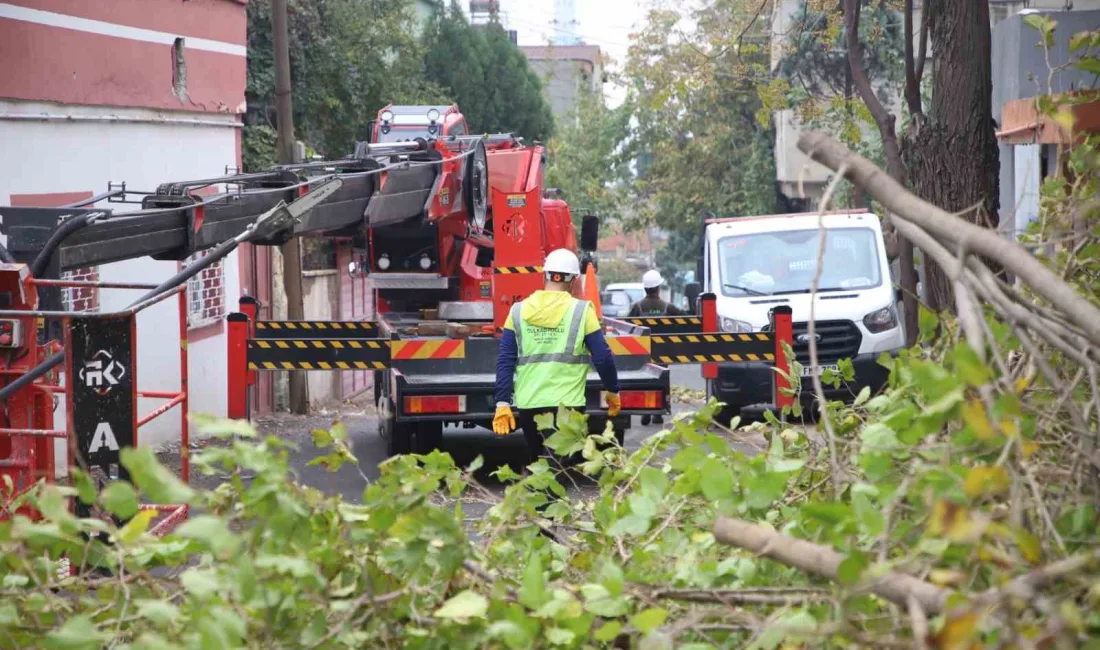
x=783, y=326
x=36, y=460
x=237, y=332
x=709, y=305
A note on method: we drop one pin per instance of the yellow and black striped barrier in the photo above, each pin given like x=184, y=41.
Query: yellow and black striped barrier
x=705, y=348
x=346, y=354
x=667, y=324
x=516, y=270
x=314, y=329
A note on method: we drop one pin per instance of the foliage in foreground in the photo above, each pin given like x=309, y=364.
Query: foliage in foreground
x=933, y=481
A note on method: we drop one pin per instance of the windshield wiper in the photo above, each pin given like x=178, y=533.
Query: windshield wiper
x=751, y=292
x=821, y=290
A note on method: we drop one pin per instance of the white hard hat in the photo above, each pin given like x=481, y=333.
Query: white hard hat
x=562, y=260
x=652, y=279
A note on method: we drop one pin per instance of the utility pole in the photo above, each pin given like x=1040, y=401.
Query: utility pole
x=292, y=259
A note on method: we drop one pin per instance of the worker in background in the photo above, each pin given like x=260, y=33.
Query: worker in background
x=549, y=341
x=652, y=304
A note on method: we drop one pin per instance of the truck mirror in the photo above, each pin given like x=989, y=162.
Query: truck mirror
x=899, y=294
x=692, y=291
x=590, y=232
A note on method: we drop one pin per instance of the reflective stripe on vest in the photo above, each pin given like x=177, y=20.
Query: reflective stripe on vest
x=568, y=355
x=552, y=363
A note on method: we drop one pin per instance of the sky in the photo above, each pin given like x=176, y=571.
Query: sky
x=606, y=23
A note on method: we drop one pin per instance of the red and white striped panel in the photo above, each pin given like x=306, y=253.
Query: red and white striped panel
x=120, y=53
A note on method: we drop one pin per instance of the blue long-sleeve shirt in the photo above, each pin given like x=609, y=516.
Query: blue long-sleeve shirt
x=602, y=359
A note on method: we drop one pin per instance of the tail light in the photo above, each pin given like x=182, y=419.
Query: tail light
x=640, y=399
x=436, y=404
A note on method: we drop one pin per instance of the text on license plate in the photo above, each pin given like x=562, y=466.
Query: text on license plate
x=807, y=371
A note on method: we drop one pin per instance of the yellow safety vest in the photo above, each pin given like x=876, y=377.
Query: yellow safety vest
x=552, y=364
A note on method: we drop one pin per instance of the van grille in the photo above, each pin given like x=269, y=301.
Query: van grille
x=840, y=339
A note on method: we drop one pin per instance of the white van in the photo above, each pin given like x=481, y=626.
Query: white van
x=753, y=264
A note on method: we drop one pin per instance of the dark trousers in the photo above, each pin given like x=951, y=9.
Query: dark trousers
x=533, y=434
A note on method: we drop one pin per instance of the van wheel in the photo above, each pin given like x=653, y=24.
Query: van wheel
x=727, y=412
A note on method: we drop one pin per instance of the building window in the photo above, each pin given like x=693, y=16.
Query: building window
x=318, y=253
x=82, y=299
x=205, y=294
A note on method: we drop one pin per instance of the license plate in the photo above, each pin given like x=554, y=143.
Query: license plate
x=807, y=371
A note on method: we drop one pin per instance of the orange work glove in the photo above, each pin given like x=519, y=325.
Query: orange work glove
x=503, y=421
x=614, y=404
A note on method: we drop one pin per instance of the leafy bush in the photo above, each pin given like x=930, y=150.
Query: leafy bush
x=934, y=480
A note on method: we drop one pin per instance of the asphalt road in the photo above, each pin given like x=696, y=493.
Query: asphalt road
x=463, y=444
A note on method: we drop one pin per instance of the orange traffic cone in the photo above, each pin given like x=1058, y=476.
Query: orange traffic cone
x=592, y=289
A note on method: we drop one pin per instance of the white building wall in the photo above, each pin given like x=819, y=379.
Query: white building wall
x=51, y=157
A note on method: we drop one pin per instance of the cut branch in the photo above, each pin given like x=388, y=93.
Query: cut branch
x=947, y=227
x=822, y=561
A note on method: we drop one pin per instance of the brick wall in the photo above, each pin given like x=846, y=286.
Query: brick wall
x=81, y=298
x=205, y=294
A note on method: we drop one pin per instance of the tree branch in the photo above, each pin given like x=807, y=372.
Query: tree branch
x=883, y=118
x=823, y=561
x=947, y=227
x=912, y=84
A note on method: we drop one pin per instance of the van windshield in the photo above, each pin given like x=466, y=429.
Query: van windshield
x=784, y=262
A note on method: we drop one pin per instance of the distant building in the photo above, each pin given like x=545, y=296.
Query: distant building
x=635, y=247
x=566, y=71
x=423, y=11
x=1031, y=148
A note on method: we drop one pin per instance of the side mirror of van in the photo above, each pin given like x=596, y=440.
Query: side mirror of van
x=590, y=232
x=692, y=291
x=899, y=295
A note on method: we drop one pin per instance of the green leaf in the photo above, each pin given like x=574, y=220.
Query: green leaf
x=653, y=482
x=221, y=427
x=864, y=395
x=612, y=579
x=119, y=499
x=77, y=633
x=560, y=636
x=928, y=322
x=155, y=480
x=532, y=592
x=1090, y=65
x=1080, y=40
x=137, y=525
x=649, y=619
x=643, y=506
x=869, y=516
x=969, y=366
x=715, y=479
x=608, y=631
x=629, y=525
x=202, y=583
x=476, y=464
x=160, y=612
x=598, y=600
x=85, y=486
x=321, y=438
x=464, y=605
x=212, y=532
x=877, y=437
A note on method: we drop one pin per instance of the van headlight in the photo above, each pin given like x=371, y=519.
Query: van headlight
x=735, y=326
x=881, y=320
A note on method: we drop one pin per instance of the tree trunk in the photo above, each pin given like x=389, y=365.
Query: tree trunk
x=292, y=258
x=951, y=155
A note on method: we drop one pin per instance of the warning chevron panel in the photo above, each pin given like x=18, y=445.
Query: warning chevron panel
x=318, y=354
x=703, y=348
x=314, y=329
x=428, y=349
x=629, y=345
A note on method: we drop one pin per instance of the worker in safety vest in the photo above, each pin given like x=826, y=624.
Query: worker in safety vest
x=652, y=304
x=549, y=341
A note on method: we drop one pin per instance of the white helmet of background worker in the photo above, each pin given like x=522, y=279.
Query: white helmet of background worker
x=652, y=279
x=562, y=262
